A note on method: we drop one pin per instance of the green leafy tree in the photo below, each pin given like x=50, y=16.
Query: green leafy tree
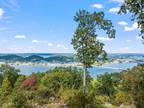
x=104, y=85
x=19, y=81
x=84, y=100
x=85, y=43
x=136, y=7
x=62, y=77
x=19, y=100
x=1, y=79
x=10, y=72
x=6, y=88
x=5, y=91
x=133, y=84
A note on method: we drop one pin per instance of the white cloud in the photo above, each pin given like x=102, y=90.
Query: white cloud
x=50, y=44
x=40, y=41
x=104, y=39
x=122, y=23
x=119, y=1
x=1, y=13
x=45, y=42
x=114, y=10
x=98, y=6
x=35, y=41
x=133, y=27
x=128, y=28
x=20, y=37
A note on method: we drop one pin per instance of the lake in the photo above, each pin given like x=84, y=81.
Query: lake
x=113, y=67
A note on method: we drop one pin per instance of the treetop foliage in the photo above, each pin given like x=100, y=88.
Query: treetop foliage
x=136, y=7
x=88, y=48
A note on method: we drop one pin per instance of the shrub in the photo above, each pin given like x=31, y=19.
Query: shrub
x=122, y=98
x=66, y=94
x=19, y=100
x=133, y=83
x=84, y=100
x=62, y=77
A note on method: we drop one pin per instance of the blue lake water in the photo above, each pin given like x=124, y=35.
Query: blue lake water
x=114, y=67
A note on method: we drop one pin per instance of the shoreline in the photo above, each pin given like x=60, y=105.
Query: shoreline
x=70, y=64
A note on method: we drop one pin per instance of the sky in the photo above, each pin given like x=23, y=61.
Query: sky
x=47, y=26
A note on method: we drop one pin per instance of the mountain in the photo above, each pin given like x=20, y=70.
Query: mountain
x=63, y=59
x=11, y=57
x=36, y=58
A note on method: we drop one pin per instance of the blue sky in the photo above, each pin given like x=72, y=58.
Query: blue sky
x=47, y=26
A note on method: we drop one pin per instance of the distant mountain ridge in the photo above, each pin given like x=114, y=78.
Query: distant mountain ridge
x=60, y=57
x=36, y=58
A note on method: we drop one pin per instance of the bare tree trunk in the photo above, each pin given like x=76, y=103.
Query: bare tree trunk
x=84, y=79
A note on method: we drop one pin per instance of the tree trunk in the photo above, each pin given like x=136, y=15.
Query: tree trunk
x=84, y=79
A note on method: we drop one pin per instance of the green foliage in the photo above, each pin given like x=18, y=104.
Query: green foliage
x=65, y=94
x=133, y=83
x=106, y=84
x=19, y=81
x=43, y=94
x=88, y=48
x=84, y=100
x=136, y=7
x=6, y=88
x=1, y=79
x=64, y=85
x=19, y=100
x=5, y=91
x=102, y=98
x=8, y=76
x=122, y=97
x=62, y=77
x=10, y=72
x=84, y=41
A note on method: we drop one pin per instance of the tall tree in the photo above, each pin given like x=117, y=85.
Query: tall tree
x=88, y=48
x=136, y=7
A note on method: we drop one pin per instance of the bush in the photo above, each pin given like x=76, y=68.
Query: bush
x=106, y=84
x=84, y=100
x=66, y=94
x=19, y=100
x=43, y=95
x=133, y=83
x=19, y=81
x=62, y=77
x=122, y=98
